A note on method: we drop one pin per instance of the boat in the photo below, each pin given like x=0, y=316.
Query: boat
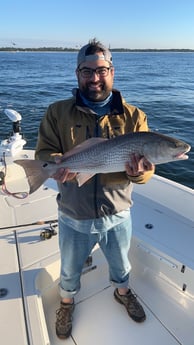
x=161, y=255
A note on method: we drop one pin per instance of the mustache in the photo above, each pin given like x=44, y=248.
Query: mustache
x=94, y=83
x=101, y=87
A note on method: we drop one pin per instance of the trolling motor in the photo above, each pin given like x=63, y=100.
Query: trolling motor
x=15, y=143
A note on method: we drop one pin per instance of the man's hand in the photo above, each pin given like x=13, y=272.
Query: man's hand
x=138, y=165
x=62, y=174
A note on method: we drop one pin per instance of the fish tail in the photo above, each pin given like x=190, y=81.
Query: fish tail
x=35, y=172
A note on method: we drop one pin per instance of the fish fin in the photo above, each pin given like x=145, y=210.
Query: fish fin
x=35, y=172
x=84, y=145
x=83, y=178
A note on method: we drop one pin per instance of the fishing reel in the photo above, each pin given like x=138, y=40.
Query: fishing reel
x=48, y=233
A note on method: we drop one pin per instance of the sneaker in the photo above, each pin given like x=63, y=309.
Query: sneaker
x=64, y=320
x=133, y=307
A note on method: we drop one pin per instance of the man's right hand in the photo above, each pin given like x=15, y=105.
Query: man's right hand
x=62, y=175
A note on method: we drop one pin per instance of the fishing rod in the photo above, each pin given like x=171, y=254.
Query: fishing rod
x=40, y=222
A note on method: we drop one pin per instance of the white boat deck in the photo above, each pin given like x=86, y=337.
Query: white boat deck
x=162, y=275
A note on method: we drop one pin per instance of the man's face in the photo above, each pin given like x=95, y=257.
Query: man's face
x=95, y=85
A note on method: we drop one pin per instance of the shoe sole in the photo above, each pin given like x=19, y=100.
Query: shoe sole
x=62, y=337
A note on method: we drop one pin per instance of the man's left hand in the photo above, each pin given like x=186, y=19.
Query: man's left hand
x=138, y=165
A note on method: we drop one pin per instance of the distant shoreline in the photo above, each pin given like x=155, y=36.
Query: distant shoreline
x=120, y=50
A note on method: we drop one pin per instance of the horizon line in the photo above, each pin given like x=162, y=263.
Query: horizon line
x=44, y=48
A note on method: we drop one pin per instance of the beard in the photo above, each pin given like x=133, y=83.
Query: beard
x=95, y=92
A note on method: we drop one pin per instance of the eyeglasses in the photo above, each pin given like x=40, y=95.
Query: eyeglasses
x=88, y=72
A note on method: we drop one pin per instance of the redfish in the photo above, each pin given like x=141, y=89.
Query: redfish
x=99, y=155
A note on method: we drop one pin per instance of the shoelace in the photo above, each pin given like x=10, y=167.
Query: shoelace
x=64, y=315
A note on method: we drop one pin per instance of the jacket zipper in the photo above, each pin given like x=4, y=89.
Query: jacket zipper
x=96, y=176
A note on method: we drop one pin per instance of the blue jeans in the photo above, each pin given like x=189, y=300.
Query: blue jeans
x=75, y=247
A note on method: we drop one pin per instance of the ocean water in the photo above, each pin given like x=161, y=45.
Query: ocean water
x=160, y=83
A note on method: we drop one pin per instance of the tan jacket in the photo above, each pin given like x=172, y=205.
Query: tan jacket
x=68, y=123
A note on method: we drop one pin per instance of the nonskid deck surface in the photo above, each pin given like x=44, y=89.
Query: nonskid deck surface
x=98, y=318
x=162, y=277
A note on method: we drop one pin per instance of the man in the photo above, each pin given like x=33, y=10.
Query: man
x=99, y=211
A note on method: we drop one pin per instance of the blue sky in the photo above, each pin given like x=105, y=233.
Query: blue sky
x=120, y=23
